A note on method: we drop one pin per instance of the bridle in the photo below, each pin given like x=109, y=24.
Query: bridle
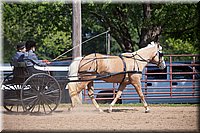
x=160, y=55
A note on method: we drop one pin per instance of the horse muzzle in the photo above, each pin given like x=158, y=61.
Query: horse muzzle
x=162, y=65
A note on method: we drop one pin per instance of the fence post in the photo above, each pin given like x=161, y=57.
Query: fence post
x=77, y=52
x=170, y=72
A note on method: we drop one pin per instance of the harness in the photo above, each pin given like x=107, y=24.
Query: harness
x=100, y=76
x=124, y=63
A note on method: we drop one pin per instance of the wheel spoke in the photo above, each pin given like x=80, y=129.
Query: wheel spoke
x=33, y=106
x=48, y=104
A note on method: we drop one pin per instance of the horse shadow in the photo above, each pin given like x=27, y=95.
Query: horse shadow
x=121, y=110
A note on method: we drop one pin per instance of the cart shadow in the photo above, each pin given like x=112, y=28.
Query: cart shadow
x=14, y=113
x=31, y=113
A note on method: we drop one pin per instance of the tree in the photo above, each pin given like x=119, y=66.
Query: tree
x=115, y=17
x=49, y=24
x=135, y=25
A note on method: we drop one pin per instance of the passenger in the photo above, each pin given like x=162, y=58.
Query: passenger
x=32, y=57
x=19, y=70
x=19, y=55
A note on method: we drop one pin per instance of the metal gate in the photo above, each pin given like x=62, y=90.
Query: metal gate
x=177, y=83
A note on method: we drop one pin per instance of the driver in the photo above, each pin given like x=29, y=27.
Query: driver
x=32, y=57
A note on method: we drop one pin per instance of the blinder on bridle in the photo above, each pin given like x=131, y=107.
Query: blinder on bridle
x=161, y=63
x=160, y=54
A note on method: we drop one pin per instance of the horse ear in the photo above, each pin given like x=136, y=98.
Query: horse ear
x=153, y=43
x=158, y=44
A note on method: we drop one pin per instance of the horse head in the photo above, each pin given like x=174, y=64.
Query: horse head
x=158, y=58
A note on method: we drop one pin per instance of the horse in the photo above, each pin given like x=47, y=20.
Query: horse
x=124, y=69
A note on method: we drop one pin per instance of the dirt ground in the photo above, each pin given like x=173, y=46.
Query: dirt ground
x=86, y=118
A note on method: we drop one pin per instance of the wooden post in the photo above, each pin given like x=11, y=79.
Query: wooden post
x=77, y=38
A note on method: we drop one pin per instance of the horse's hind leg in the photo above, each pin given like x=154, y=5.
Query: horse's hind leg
x=74, y=94
x=91, y=95
x=120, y=90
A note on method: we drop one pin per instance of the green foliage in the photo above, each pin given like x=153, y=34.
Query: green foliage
x=177, y=46
x=50, y=25
x=178, y=21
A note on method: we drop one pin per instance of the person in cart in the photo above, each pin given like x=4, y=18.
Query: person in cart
x=32, y=59
x=19, y=55
x=18, y=63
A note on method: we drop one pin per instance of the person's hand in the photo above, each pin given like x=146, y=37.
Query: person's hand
x=46, y=61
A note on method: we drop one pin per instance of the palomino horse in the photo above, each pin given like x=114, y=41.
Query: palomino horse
x=125, y=69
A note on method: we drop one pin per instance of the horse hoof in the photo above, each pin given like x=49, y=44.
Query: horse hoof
x=147, y=111
x=70, y=109
x=100, y=110
x=109, y=110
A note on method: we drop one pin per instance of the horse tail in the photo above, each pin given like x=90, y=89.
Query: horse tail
x=73, y=86
x=73, y=68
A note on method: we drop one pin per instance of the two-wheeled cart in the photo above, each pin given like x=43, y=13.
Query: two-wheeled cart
x=24, y=91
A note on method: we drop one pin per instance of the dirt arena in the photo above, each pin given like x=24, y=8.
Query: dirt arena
x=129, y=119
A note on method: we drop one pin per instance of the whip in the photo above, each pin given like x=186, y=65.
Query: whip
x=81, y=43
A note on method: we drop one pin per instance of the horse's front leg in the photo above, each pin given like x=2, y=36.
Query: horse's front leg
x=140, y=93
x=91, y=95
x=119, y=93
x=137, y=85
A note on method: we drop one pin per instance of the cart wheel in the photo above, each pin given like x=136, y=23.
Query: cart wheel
x=11, y=94
x=40, y=93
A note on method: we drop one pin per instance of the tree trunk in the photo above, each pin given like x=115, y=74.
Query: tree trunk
x=198, y=28
x=149, y=32
x=123, y=38
x=119, y=30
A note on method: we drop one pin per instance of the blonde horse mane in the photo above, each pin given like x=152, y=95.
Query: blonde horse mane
x=151, y=45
